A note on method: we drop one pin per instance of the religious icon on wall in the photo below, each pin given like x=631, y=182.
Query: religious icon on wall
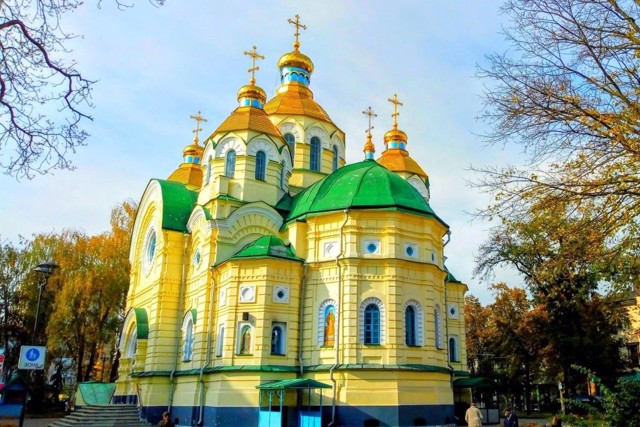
x=245, y=343
x=329, y=326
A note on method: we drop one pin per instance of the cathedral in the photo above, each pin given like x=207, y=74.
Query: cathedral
x=273, y=284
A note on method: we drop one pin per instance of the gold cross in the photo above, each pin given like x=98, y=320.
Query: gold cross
x=254, y=55
x=369, y=112
x=395, y=114
x=198, y=118
x=298, y=26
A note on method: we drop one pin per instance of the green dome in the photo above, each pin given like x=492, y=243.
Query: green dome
x=363, y=185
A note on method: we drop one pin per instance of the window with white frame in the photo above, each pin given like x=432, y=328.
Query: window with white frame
x=316, y=152
x=291, y=142
x=334, y=159
x=230, y=164
x=187, y=333
x=372, y=322
x=261, y=166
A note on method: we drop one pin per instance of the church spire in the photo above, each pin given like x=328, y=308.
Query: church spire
x=295, y=66
x=369, y=148
x=395, y=138
x=190, y=171
x=251, y=95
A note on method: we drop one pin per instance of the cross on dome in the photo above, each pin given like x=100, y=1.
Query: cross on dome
x=254, y=56
x=370, y=114
x=395, y=114
x=298, y=25
x=198, y=118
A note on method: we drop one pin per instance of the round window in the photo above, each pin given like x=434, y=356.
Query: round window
x=410, y=251
x=197, y=257
x=372, y=247
x=149, y=249
x=281, y=294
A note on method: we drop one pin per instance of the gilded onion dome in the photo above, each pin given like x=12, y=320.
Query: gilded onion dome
x=250, y=114
x=395, y=157
x=294, y=97
x=369, y=148
x=190, y=172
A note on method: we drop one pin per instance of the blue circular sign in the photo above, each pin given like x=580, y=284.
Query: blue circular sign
x=33, y=354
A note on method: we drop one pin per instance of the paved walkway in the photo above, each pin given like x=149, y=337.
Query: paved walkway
x=38, y=422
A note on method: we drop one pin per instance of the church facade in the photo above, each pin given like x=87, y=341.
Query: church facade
x=274, y=284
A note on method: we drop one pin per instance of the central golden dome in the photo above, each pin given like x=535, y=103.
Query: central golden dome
x=296, y=59
x=395, y=134
x=253, y=92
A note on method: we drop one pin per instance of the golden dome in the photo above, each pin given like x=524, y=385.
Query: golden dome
x=297, y=99
x=399, y=161
x=395, y=134
x=368, y=146
x=296, y=59
x=253, y=92
x=193, y=149
x=248, y=118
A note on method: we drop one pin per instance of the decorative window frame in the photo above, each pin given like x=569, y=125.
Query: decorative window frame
x=317, y=165
x=149, y=259
x=230, y=143
x=230, y=172
x=419, y=327
x=330, y=249
x=278, y=289
x=363, y=306
x=454, y=307
x=437, y=327
x=261, y=169
x=188, y=336
x=367, y=242
x=411, y=247
x=321, y=310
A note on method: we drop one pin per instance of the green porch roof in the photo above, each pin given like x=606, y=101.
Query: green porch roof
x=363, y=185
x=177, y=204
x=298, y=383
x=267, y=246
x=474, y=382
x=450, y=277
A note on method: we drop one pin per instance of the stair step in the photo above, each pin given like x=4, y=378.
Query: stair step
x=102, y=416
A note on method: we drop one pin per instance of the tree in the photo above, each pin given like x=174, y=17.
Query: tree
x=44, y=98
x=567, y=93
x=566, y=266
x=478, y=338
x=95, y=279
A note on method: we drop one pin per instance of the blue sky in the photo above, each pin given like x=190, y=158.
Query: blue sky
x=158, y=66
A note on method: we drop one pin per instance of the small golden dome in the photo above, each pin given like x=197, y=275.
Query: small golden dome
x=395, y=134
x=253, y=92
x=368, y=146
x=296, y=59
x=193, y=150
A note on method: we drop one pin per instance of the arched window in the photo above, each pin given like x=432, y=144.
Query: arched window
x=334, y=159
x=372, y=324
x=230, y=164
x=187, y=349
x=410, y=326
x=132, y=344
x=437, y=327
x=261, y=166
x=316, y=152
x=220, y=343
x=291, y=142
x=277, y=339
x=453, y=350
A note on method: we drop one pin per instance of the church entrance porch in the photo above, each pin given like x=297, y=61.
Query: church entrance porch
x=271, y=402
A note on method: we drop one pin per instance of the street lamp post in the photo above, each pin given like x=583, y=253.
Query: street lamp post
x=46, y=269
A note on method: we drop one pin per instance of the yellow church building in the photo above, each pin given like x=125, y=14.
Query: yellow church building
x=272, y=284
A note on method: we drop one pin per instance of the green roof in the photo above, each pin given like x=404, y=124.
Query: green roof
x=363, y=185
x=142, y=323
x=267, y=246
x=177, y=204
x=474, y=382
x=450, y=277
x=298, y=383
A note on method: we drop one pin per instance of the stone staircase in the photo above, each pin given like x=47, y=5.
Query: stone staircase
x=102, y=416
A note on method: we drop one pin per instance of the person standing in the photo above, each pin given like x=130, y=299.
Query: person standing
x=510, y=418
x=166, y=420
x=473, y=416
